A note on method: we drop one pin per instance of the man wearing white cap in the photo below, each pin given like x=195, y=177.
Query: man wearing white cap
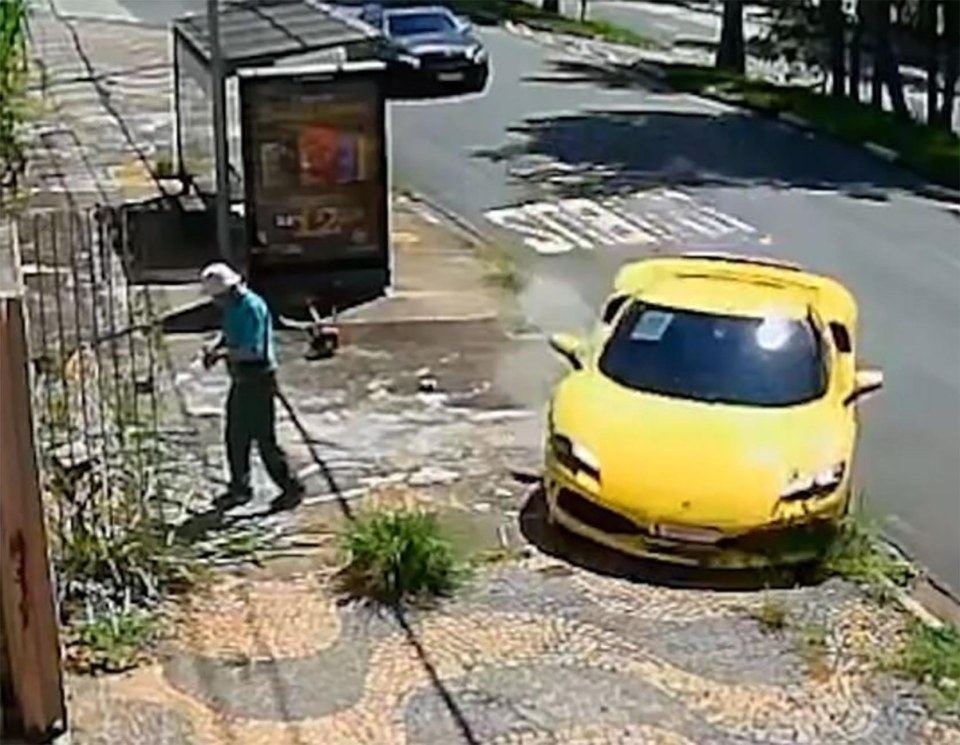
x=246, y=343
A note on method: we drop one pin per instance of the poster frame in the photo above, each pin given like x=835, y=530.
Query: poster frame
x=373, y=268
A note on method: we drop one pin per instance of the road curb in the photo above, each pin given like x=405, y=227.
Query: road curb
x=466, y=227
x=880, y=151
x=903, y=597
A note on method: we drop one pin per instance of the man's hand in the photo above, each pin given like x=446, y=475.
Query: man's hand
x=212, y=355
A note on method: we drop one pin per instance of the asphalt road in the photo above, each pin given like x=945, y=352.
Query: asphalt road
x=789, y=194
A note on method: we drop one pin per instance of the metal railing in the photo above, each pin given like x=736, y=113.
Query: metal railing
x=104, y=418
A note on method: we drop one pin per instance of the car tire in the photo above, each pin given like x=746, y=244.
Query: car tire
x=477, y=79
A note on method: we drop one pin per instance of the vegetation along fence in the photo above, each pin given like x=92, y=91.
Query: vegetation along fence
x=119, y=463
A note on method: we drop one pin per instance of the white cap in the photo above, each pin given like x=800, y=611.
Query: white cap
x=219, y=278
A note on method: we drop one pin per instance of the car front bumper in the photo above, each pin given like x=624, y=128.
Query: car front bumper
x=775, y=544
x=450, y=71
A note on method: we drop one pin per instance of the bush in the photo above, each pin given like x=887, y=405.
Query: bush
x=393, y=556
x=13, y=80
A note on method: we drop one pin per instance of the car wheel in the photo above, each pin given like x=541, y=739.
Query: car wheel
x=477, y=80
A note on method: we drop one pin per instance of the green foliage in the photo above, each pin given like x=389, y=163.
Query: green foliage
x=932, y=152
x=394, y=556
x=771, y=614
x=111, y=645
x=932, y=656
x=812, y=646
x=858, y=555
x=13, y=80
x=502, y=270
x=164, y=167
x=498, y=11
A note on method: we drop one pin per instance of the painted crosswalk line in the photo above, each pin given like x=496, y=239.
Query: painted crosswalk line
x=658, y=216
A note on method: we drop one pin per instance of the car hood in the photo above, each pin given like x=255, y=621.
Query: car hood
x=438, y=42
x=670, y=459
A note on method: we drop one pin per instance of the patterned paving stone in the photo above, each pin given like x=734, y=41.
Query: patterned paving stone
x=274, y=689
x=138, y=722
x=545, y=698
x=529, y=656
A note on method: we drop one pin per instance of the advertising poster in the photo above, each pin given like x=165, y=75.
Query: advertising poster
x=315, y=169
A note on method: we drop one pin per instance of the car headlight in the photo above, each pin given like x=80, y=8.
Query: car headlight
x=575, y=457
x=816, y=484
x=478, y=54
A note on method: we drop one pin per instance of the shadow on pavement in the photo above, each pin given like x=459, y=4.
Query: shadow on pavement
x=677, y=137
x=572, y=549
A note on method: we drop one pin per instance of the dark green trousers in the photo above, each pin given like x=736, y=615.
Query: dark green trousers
x=251, y=418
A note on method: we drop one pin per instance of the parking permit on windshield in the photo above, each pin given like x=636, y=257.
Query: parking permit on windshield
x=651, y=326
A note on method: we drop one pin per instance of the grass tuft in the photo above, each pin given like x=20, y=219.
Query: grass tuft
x=812, y=646
x=771, y=614
x=857, y=554
x=502, y=270
x=932, y=657
x=394, y=556
x=111, y=644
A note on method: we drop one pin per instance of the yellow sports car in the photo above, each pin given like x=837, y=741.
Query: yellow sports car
x=710, y=418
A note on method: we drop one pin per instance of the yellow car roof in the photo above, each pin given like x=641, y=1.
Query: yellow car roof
x=726, y=284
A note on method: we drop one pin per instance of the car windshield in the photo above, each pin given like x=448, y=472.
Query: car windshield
x=717, y=358
x=414, y=24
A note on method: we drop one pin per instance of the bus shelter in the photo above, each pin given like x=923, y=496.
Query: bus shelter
x=306, y=142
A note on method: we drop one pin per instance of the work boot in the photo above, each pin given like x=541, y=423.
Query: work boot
x=232, y=498
x=290, y=499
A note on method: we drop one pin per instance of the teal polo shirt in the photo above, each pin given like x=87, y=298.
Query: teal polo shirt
x=248, y=326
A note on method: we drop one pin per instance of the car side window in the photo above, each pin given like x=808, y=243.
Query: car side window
x=613, y=307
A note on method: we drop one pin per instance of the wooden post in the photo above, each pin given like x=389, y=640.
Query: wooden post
x=28, y=624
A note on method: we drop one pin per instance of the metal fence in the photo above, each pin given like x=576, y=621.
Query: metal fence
x=102, y=415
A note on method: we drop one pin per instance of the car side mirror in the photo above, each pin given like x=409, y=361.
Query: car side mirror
x=865, y=382
x=568, y=347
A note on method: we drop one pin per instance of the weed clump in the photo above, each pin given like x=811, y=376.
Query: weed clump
x=394, y=556
x=932, y=656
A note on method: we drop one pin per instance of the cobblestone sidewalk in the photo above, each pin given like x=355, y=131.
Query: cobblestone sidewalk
x=535, y=652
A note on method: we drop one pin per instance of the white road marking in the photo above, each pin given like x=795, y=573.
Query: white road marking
x=643, y=218
x=608, y=225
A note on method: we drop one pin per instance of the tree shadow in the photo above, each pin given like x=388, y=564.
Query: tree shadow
x=584, y=554
x=662, y=136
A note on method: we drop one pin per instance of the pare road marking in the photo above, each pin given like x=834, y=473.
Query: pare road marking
x=648, y=217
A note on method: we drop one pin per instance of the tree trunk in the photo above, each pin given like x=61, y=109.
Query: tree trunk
x=833, y=25
x=583, y=10
x=872, y=12
x=731, y=54
x=856, y=43
x=951, y=71
x=928, y=18
x=551, y=6
x=887, y=65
